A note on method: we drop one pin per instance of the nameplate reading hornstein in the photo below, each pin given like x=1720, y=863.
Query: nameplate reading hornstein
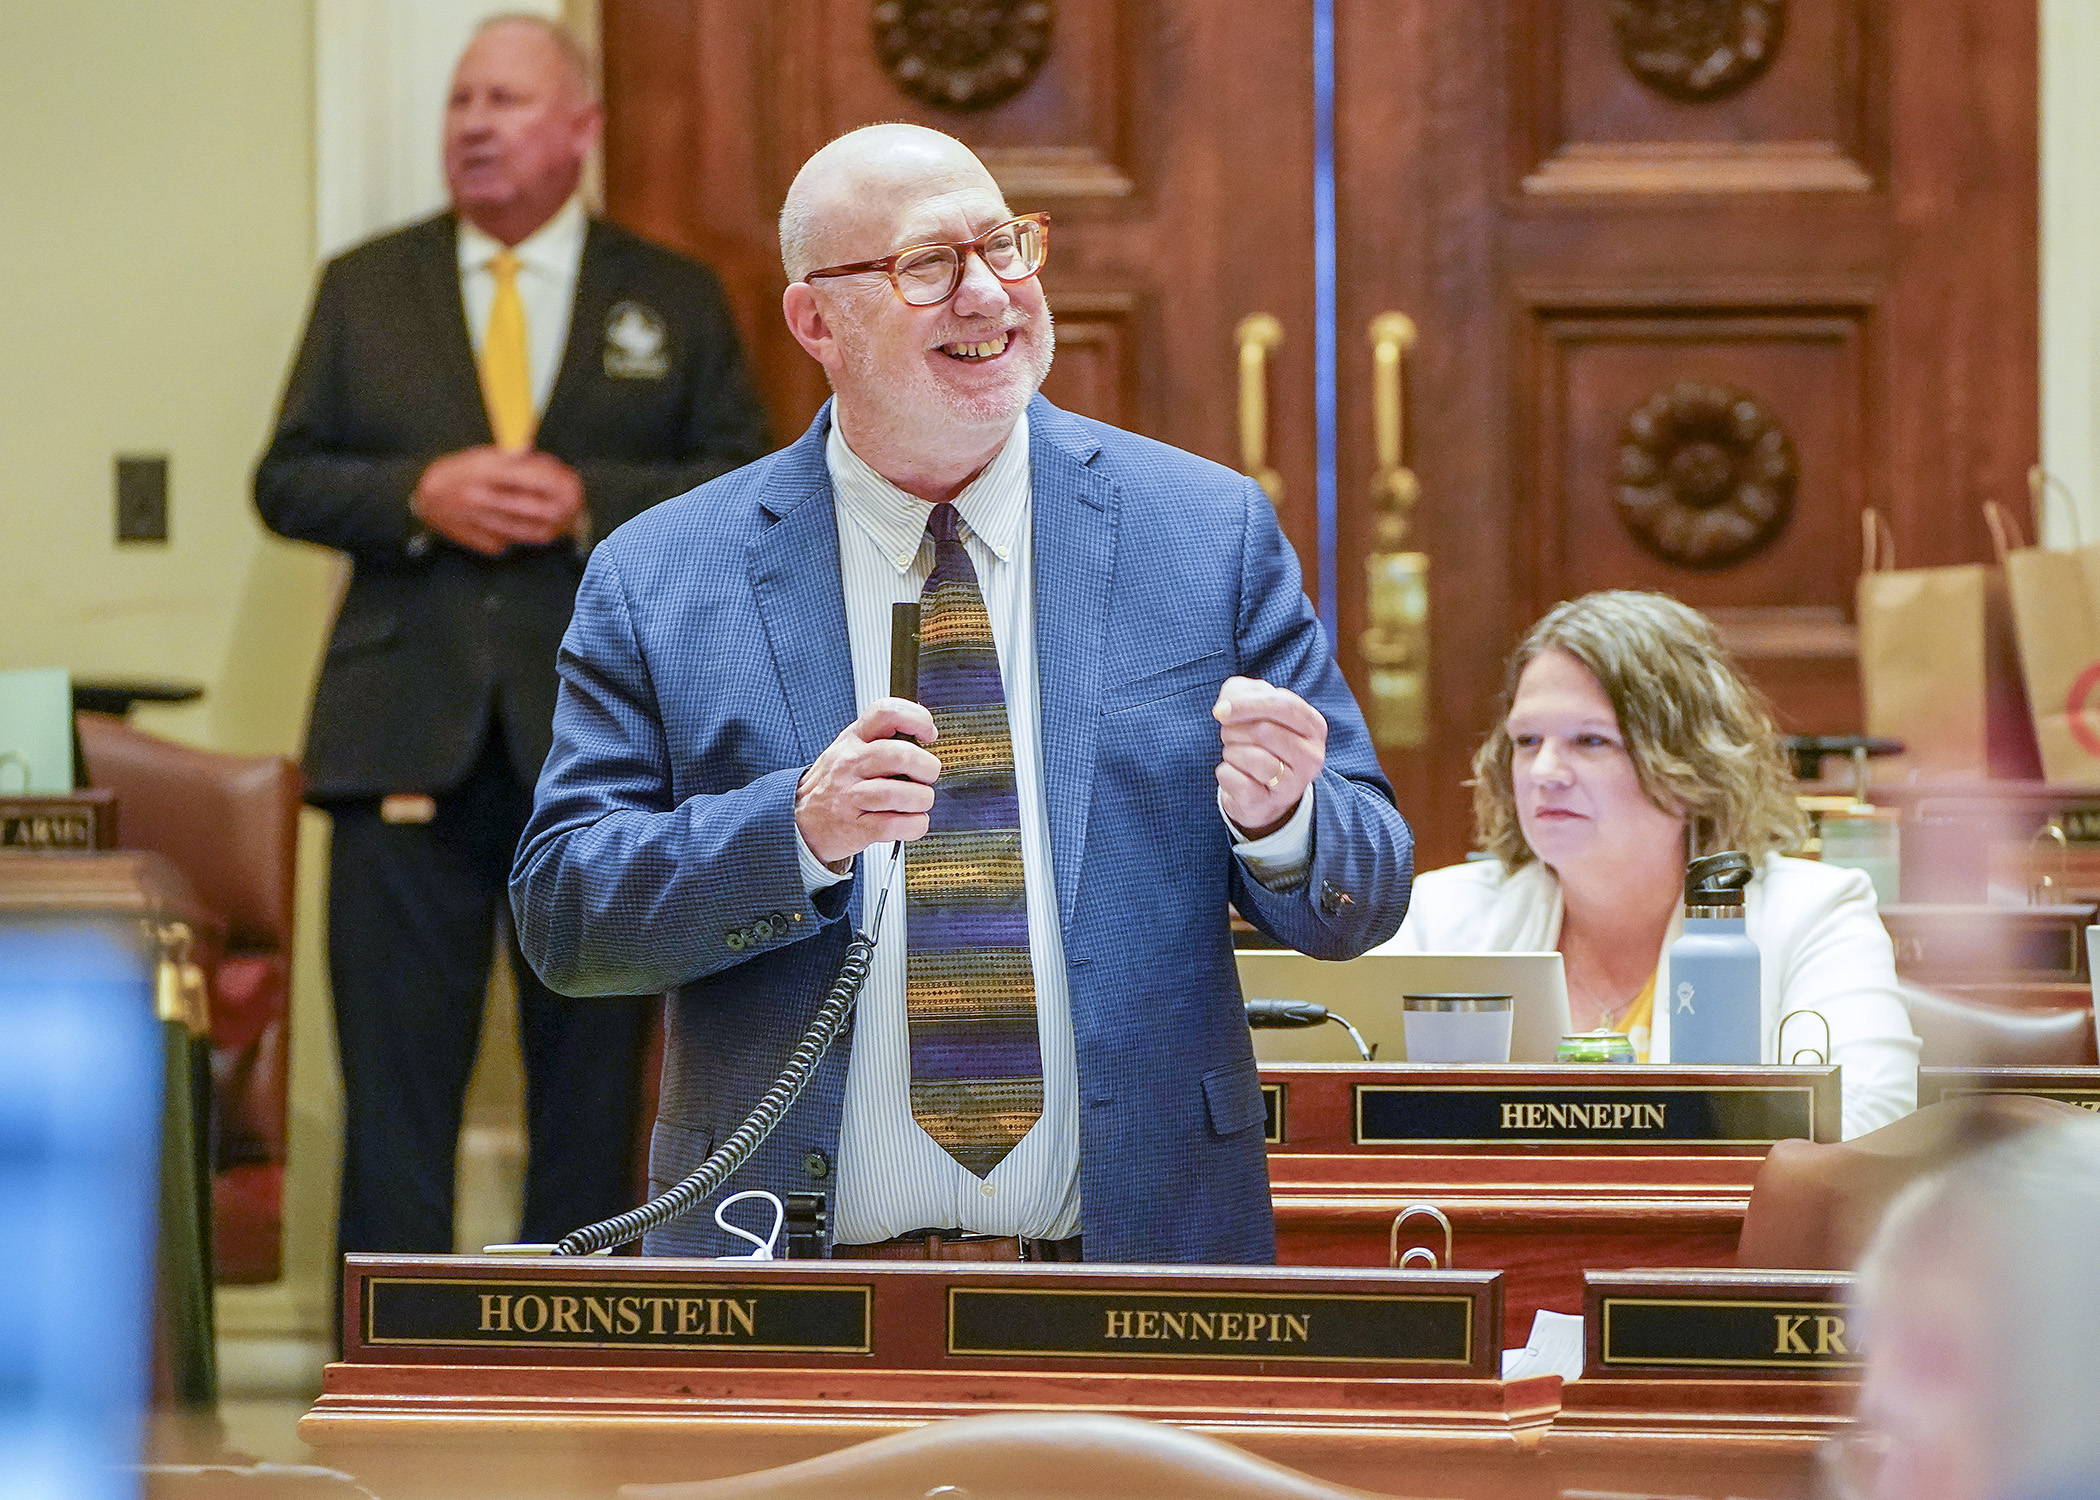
x=524, y=1314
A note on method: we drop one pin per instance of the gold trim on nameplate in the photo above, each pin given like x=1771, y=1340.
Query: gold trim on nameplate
x=2071, y=1097
x=1461, y=1299
x=1358, y=1091
x=694, y=1343
x=1604, y=1355
x=1282, y=1091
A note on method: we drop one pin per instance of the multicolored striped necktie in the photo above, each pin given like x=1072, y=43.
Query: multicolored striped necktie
x=976, y=1066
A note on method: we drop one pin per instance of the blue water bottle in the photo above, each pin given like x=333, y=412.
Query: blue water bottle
x=1715, y=999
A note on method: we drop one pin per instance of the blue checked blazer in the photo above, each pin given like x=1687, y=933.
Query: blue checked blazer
x=707, y=665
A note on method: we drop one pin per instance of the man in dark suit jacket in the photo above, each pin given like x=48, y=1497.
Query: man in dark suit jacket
x=1170, y=733
x=432, y=713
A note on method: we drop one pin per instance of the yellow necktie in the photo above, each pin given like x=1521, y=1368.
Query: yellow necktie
x=506, y=370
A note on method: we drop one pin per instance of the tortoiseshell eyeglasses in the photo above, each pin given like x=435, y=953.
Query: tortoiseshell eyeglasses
x=928, y=275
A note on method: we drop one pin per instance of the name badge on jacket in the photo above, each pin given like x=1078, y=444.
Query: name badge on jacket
x=637, y=344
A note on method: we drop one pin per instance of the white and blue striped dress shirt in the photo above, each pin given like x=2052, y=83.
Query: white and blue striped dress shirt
x=892, y=1177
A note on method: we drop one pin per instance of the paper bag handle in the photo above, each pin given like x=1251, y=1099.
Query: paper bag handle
x=2005, y=531
x=2039, y=484
x=1877, y=549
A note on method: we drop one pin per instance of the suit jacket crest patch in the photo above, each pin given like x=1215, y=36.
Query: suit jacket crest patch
x=637, y=344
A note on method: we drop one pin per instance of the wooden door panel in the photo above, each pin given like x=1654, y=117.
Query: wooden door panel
x=1749, y=96
x=1778, y=467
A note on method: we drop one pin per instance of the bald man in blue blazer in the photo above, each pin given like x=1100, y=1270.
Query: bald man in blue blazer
x=728, y=771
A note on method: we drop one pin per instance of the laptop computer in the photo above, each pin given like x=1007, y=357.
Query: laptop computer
x=1367, y=992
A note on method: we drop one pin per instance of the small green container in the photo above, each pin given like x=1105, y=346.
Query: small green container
x=1601, y=1046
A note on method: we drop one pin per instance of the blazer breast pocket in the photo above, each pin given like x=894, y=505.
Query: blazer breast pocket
x=1208, y=672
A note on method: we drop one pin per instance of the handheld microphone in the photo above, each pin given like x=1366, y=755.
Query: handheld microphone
x=904, y=651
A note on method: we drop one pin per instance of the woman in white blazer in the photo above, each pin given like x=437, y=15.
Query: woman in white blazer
x=1628, y=739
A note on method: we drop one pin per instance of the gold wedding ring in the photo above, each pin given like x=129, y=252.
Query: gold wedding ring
x=1273, y=780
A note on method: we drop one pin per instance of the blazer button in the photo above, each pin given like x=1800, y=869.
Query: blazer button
x=735, y=941
x=762, y=928
x=816, y=1166
x=779, y=920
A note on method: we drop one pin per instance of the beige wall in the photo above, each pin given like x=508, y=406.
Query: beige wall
x=156, y=167
x=2070, y=252
x=157, y=243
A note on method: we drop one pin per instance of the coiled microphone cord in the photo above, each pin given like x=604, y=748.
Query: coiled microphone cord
x=801, y=1066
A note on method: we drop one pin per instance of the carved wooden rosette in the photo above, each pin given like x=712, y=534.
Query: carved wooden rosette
x=1698, y=50
x=962, y=54
x=1706, y=475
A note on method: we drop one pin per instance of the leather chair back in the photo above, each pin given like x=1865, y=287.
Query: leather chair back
x=230, y=823
x=1957, y=1032
x=1814, y=1207
x=1031, y=1456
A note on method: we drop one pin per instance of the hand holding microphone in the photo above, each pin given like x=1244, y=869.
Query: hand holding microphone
x=871, y=785
x=1275, y=743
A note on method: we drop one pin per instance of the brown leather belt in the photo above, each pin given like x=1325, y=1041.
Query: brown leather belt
x=953, y=1244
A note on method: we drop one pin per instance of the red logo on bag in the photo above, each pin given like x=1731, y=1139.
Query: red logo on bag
x=2078, y=713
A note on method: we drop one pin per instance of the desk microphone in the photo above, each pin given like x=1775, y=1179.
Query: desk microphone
x=1292, y=1015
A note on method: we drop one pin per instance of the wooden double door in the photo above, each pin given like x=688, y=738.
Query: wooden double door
x=1691, y=282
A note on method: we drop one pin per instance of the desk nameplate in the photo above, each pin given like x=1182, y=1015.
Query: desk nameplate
x=1275, y=1101
x=1700, y=1324
x=2075, y=1086
x=1324, y=1322
x=765, y=1318
x=1617, y=1111
x=1068, y=1323
x=75, y=822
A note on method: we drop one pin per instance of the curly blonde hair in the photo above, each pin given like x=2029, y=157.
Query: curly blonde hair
x=1702, y=739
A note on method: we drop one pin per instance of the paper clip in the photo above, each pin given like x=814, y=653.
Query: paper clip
x=1428, y=1260
x=1815, y=1058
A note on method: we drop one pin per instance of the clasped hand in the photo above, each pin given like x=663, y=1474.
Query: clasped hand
x=489, y=500
x=1275, y=744
x=851, y=796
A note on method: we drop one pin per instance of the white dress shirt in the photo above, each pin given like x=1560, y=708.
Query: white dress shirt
x=548, y=261
x=892, y=1177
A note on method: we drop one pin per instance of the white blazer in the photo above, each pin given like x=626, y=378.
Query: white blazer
x=1819, y=938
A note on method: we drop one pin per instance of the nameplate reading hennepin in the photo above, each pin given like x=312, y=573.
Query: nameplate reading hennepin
x=525, y=1314
x=1445, y=1114
x=1388, y=1329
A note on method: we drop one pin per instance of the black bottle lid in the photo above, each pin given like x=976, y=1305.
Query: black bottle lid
x=1717, y=880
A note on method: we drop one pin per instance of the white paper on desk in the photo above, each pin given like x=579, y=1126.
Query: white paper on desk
x=36, y=732
x=1554, y=1348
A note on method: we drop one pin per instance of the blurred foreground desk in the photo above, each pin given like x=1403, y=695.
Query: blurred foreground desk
x=1543, y=1171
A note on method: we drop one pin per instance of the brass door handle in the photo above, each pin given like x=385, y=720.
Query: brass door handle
x=1257, y=334
x=1396, y=644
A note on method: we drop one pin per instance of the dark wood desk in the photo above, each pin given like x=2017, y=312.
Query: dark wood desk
x=431, y=1396
x=1540, y=1211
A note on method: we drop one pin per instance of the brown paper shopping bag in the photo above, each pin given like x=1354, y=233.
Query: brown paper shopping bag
x=1938, y=666
x=2056, y=614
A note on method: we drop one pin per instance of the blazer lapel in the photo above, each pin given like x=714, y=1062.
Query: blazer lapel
x=794, y=570
x=1075, y=554
x=598, y=278
x=451, y=349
